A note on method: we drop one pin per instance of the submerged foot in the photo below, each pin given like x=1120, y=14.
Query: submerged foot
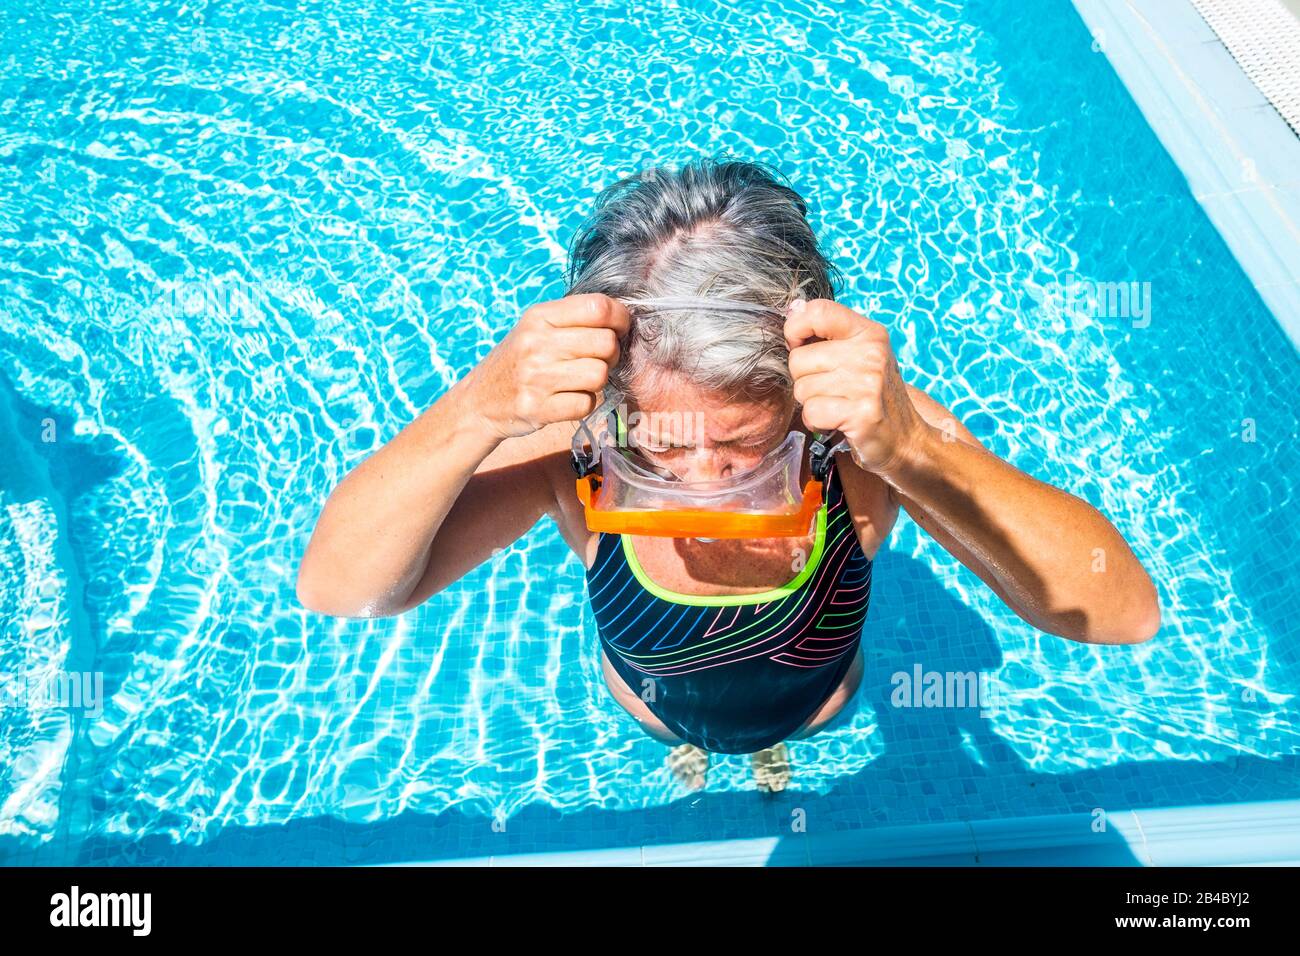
x=772, y=768
x=689, y=765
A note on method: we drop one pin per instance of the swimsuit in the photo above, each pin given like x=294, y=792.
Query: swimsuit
x=736, y=673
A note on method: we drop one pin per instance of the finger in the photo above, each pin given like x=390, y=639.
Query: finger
x=592, y=310
x=579, y=375
x=816, y=357
x=826, y=413
x=573, y=343
x=820, y=318
x=569, y=406
x=869, y=354
x=832, y=384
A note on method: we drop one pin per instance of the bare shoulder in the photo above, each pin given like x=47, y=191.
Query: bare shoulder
x=868, y=499
x=529, y=450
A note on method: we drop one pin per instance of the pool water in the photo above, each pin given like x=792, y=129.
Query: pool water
x=241, y=246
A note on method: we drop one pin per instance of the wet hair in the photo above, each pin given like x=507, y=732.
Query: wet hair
x=707, y=257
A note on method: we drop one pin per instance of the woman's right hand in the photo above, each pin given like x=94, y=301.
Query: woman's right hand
x=551, y=367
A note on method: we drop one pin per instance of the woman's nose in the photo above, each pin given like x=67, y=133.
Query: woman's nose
x=705, y=465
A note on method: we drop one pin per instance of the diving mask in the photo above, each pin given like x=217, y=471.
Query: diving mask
x=627, y=497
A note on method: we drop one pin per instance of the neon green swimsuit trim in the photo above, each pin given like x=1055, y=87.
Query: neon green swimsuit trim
x=727, y=600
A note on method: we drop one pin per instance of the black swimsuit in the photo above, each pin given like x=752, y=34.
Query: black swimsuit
x=736, y=673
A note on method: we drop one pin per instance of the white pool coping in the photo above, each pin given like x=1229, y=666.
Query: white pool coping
x=1235, y=834
x=1240, y=158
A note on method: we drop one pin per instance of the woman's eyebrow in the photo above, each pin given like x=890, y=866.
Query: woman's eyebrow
x=751, y=435
x=740, y=438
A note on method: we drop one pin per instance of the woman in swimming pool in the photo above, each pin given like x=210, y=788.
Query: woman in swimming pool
x=720, y=644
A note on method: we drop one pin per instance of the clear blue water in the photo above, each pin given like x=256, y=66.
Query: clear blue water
x=241, y=246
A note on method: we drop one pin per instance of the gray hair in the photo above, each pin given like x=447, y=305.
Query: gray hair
x=707, y=258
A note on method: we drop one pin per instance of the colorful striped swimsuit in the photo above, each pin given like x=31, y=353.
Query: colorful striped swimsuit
x=736, y=673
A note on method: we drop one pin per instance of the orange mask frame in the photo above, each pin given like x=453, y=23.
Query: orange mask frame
x=697, y=523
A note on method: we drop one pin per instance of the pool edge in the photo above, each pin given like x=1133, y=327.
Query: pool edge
x=1265, y=833
x=1239, y=156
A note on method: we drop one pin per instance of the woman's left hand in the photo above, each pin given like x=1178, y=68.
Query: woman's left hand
x=849, y=381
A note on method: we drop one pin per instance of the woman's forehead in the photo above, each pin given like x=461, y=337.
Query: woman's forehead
x=739, y=421
x=664, y=391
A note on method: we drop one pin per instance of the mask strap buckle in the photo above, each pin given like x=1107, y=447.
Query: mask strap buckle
x=823, y=450
x=586, y=461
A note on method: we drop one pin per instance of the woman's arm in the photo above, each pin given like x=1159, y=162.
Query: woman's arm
x=473, y=473
x=1053, y=558
x=372, y=546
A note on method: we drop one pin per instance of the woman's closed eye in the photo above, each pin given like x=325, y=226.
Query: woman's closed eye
x=650, y=460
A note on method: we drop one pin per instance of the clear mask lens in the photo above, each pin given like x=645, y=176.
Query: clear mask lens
x=633, y=494
x=631, y=483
